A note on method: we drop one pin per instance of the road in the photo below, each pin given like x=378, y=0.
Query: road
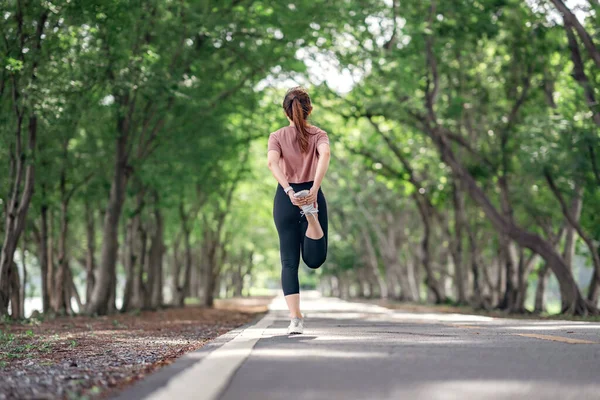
x=360, y=351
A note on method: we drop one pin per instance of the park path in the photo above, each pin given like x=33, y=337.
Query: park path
x=360, y=351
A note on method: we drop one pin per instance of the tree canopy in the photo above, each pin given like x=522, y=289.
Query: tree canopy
x=465, y=139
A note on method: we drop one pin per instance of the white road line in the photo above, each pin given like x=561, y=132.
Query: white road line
x=207, y=379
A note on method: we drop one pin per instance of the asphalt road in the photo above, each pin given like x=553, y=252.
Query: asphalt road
x=357, y=351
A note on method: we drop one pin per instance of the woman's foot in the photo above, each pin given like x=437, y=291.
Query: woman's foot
x=308, y=209
x=296, y=326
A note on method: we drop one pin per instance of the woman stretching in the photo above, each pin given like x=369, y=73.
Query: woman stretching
x=298, y=157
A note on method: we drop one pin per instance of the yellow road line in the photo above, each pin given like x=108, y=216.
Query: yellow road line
x=556, y=338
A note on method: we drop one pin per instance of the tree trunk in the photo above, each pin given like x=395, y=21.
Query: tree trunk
x=210, y=261
x=238, y=279
x=112, y=304
x=129, y=263
x=406, y=291
x=155, y=260
x=43, y=252
x=217, y=286
x=73, y=292
x=183, y=288
x=414, y=280
x=572, y=301
x=23, y=292
x=509, y=300
x=430, y=280
x=217, y=259
x=140, y=288
x=51, y=265
x=99, y=302
x=90, y=259
x=131, y=250
x=16, y=209
x=391, y=288
x=249, y=269
x=15, y=291
x=477, y=298
x=335, y=287
x=196, y=274
x=22, y=175
x=522, y=283
x=61, y=287
x=541, y=289
x=360, y=283
x=344, y=285
x=457, y=245
x=187, y=273
x=178, y=295
x=372, y=263
x=214, y=241
x=570, y=238
x=593, y=291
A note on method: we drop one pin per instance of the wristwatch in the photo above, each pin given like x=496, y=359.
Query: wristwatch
x=287, y=189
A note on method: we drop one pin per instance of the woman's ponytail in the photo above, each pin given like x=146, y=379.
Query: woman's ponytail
x=297, y=107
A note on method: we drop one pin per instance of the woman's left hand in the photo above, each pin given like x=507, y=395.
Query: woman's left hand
x=312, y=196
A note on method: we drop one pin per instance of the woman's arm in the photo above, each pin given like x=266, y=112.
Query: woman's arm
x=322, y=166
x=273, y=157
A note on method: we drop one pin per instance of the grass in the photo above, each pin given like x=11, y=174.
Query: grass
x=24, y=345
x=117, y=324
x=57, y=341
x=261, y=292
x=6, y=338
x=191, y=301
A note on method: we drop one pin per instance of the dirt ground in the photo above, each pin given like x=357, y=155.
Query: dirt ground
x=86, y=358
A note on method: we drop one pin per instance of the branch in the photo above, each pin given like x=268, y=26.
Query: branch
x=431, y=93
x=580, y=75
x=575, y=224
x=411, y=175
x=391, y=171
x=570, y=19
x=563, y=204
x=226, y=93
x=148, y=117
x=459, y=140
x=594, y=164
x=520, y=101
x=390, y=43
x=423, y=201
x=146, y=150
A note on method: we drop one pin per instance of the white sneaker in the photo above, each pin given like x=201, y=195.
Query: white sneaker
x=308, y=209
x=296, y=326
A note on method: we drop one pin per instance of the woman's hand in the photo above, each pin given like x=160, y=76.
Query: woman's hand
x=312, y=196
x=294, y=200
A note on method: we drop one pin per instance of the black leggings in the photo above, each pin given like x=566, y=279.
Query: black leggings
x=291, y=227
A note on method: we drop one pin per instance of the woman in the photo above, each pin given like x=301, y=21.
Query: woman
x=298, y=157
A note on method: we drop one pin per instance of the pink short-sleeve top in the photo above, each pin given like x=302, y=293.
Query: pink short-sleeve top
x=298, y=167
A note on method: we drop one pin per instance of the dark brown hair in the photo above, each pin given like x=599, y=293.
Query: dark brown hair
x=297, y=107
